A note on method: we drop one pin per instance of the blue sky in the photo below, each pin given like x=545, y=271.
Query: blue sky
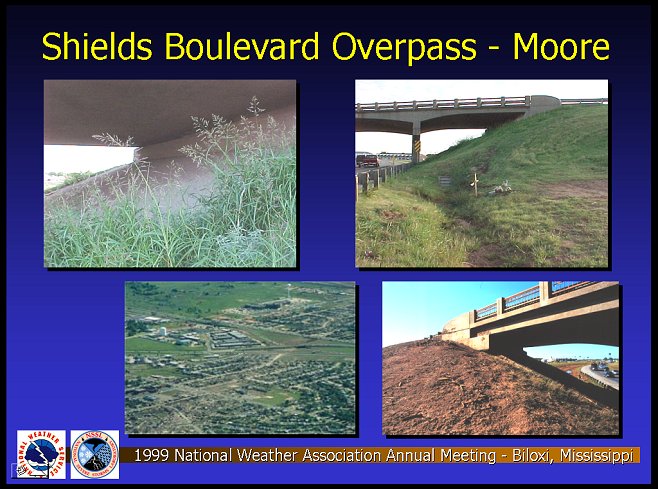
x=415, y=310
x=368, y=91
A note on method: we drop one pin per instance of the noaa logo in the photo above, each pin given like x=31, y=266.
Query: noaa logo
x=40, y=455
x=94, y=455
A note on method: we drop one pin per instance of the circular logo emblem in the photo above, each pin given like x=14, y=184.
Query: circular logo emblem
x=94, y=454
x=41, y=454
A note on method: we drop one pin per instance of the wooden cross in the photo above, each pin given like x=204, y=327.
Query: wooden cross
x=474, y=183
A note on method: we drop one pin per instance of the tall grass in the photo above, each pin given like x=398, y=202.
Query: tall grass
x=246, y=218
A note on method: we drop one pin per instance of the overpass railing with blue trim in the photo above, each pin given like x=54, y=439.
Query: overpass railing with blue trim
x=527, y=297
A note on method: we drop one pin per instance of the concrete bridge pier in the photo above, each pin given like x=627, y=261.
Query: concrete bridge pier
x=415, y=143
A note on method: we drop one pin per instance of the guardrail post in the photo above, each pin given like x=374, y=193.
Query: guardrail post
x=456, y=102
x=502, y=101
x=395, y=106
x=363, y=182
x=415, y=105
x=527, y=100
x=376, y=105
x=500, y=306
x=434, y=103
x=358, y=107
x=479, y=102
x=376, y=179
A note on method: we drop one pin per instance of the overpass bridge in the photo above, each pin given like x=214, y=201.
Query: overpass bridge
x=417, y=117
x=550, y=313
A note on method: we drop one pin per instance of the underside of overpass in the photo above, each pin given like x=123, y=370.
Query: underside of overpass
x=467, y=119
x=586, y=312
x=462, y=115
x=549, y=314
x=157, y=115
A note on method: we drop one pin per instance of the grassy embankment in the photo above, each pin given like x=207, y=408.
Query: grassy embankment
x=556, y=215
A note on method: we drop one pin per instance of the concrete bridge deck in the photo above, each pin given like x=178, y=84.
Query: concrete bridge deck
x=550, y=313
x=157, y=115
x=417, y=117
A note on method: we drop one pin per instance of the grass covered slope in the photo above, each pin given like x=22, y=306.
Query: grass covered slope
x=444, y=388
x=556, y=215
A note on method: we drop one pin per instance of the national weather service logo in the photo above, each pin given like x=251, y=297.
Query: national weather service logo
x=40, y=455
x=94, y=455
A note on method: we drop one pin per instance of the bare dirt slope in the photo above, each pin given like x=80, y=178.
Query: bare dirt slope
x=435, y=387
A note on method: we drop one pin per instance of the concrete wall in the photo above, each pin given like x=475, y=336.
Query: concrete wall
x=542, y=103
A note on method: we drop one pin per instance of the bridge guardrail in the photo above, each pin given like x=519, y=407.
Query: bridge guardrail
x=584, y=101
x=501, y=102
x=445, y=104
x=521, y=299
x=564, y=286
x=486, y=311
x=529, y=296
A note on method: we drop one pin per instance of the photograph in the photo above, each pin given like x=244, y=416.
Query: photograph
x=496, y=359
x=170, y=174
x=240, y=358
x=482, y=174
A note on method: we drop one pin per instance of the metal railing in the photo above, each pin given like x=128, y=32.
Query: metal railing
x=584, y=101
x=485, y=312
x=529, y=296
x=564, y=286
x=521, y=299
x=445, y=104
x=369, y=180
x=464, y=103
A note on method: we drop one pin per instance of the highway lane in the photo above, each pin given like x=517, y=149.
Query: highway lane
x=382, y=165
x=600, y=376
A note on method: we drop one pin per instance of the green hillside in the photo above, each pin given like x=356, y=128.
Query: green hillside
x=555, y=216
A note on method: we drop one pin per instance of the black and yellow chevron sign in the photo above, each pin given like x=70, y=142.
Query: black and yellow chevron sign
x=417, y=146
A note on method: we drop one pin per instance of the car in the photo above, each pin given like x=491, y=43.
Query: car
x=367, y=160
x=610, y=374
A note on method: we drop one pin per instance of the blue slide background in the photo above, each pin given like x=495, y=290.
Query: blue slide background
x=61, y=323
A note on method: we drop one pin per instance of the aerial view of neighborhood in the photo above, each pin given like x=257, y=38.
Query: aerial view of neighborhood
x=240, y=358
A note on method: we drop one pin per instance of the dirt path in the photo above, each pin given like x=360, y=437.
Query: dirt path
x=443, y=388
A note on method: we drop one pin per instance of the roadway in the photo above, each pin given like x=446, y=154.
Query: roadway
x=600, y=376
x=383, y=164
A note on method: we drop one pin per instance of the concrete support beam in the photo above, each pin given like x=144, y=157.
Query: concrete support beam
x=544, y=293
x=415, y=143
x=500, y=303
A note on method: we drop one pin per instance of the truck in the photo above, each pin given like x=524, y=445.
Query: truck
x=367, y=160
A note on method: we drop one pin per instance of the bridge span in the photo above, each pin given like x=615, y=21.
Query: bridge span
x=417, y=117
x=550, y=313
